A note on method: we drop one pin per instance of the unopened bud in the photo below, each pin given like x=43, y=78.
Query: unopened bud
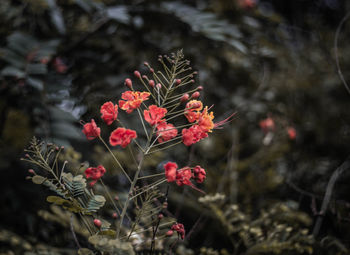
x=27, y=155
x=165, y=205
x=144, y=77
x=192, y=81
x=31, y=171
x=195, y=72
x=97, y=223
x=184, y=98
x=195, y=95
x=128, y=83
x=151, y=70
x=62, y=147
x=160, y=216
x=116, y=198
x=151, y=83
x=115, y=215
x=137, y=74
x=200, y=88
x=169, y=233
x=177, y=81
x=146, y=63
x=158, y=86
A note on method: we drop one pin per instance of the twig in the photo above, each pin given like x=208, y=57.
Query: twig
x=328, y=194
x=73, y=233
x=336, y=51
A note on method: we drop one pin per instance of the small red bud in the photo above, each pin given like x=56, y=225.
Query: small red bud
x=158, y=86
x=31, y=171
x=192, y=81
x=169, y=233
x=116, y=198
x=177, y=81
x=195, y=72
x=151, y=83
x=137, y=74
x=151, y=70
x=27, y=155
x=195, y=95
x=184, y=98
x=146, y=63
x=200, y=88
x=160, y=216
x=97, y=223
x=165, y=205
x=128, y=83
x=144, y=77
x=115, y=215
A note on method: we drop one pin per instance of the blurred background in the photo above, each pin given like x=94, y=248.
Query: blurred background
x=275, y=63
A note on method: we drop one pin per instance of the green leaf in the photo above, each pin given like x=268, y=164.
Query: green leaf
x=37, y=179
x=13, y=71
x=95, y=203
x=35, y=83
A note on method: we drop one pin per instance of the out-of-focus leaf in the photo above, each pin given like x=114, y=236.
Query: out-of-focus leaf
x=12, y=71
x=36, y=69
x=118, y=13
x=37, y=179
x=35, y=83
x=56, y=16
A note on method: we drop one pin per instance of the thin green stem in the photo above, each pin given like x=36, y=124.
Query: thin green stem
x=171, y=145
x=151, y=187
x=151, y=176
x=115, y=159
x=143, y=124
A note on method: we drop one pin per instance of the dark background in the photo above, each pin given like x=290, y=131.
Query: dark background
x=61, y=60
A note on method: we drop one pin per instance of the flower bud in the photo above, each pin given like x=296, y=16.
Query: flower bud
x=128, y=83
x=160, y=216
x=31, y=171
x=97, y=223
x=146, y=63
x=137, y=74
x=115, y=215
x=27, y=155
x=116, y=198
x=195, y=95
x=151, y=70
x=169, y=233
x=177, y=81
x=184, y=98
x=158, y=86
x=200, y=88
x=165, y=205
x=151, y=83
x=144, y=77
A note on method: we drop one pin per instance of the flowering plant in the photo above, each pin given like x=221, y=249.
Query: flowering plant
x=170, y=114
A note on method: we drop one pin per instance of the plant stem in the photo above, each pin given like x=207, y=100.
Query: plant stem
x=115, y=159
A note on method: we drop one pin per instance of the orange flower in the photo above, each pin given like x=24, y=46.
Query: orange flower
x=166, y=132
x=122, y=137
x=192, y=110
x=154, y=114
x=109, y=112
x=91, y=130
x=205, y=120
x=133, y=100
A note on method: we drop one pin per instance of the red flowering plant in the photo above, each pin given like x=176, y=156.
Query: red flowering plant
x=170, y=114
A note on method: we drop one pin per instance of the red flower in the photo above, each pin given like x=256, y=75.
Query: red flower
x=122, y=137
x=199, y=174
x=91, y=130
x=154, y=114
x=180, y=229
x=193, y=135
x=183, y=176
x=192, y=110
x=292, y=133
x=267, y=125
x=109, y=112
x=133, y=100
x=166, y=132
x=94, y=173
x=170, y=171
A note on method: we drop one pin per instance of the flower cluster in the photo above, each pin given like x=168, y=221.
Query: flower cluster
x=94, y=173
x=183, y=176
